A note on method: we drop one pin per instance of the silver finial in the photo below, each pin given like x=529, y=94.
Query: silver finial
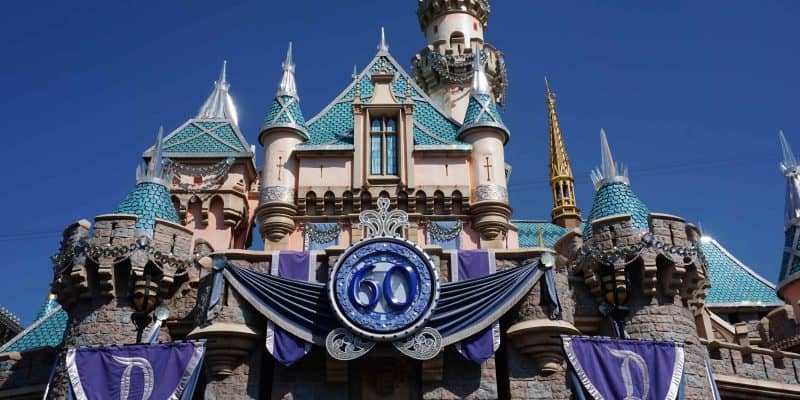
x=157, y=173
x=355, y=72
x=383, y=222
x=789, y=163
x=287, y=87
x=220, y=104
x=382, y=46
x=480, y=84
x=609, y=171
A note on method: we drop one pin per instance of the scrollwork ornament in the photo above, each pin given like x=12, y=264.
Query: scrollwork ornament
x=343, y=345
x=383, y=222
x=424, y=345
x=491, y=192
x=277, y=193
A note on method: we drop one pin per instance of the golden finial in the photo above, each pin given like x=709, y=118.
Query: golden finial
x=565, y=211
x=541, y=237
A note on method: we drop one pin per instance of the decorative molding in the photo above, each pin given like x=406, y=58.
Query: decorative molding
x=277, y=193
x=491, y=192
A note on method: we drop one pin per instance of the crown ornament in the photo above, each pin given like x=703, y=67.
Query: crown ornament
x=383, y=222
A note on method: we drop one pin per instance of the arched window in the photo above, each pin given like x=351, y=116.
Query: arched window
x=383, y=146
x=457, y=42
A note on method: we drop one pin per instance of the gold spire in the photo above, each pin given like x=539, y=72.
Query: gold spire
x=565, y=211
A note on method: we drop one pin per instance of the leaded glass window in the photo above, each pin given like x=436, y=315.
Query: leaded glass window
x=383, y=146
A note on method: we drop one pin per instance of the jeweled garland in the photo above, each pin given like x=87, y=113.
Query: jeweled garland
x=647, y=241
x=63, y=261
x=216, y=174
x=323, y=235
x=442, y=234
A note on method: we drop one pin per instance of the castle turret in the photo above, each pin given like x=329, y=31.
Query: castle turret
x=484, y=129
x=565, y=209
x=454, y=34
x=213, y=183
x=284, y=128
x=789, y=279
x=645, y=271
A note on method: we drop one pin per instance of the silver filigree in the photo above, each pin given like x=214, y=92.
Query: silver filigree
x=425, y=345
x=491, y=192
x=383, y=222
x=277, y=193
x=344, y=345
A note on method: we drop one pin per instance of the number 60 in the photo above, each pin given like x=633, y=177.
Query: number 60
x=375, y=290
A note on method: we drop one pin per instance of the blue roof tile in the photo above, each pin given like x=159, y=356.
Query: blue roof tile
x=334, y=125
x=46, y=331
x=732, y=281
x=529, y=233
x=149, y=201
x=285, y=110
x=617, y=198
x=198, y=136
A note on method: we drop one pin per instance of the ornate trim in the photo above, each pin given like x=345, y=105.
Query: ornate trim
x=491, y=192
x=345, y=346
x=425, y=345
x=277, y=193
x=383, y=222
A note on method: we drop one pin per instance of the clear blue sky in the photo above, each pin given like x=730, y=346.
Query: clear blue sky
x=691, y=93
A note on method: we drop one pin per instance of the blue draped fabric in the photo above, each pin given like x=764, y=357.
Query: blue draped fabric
x=315, y=242
x=470, y=264
x=447, y=226
x=607, y=368
x=286, y=348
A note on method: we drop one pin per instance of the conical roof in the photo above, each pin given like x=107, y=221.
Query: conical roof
x=150, y=199
x=613, y=193
x=284, y=111
x=481, y=109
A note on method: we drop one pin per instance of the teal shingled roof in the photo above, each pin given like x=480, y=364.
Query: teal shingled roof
x=529, y=233
x=617, y=198
x=285, y=111
x=205, y=137
x=732, y=282
x=46, y=331
x=481, y=111
x=149, y=201
x=334, y=125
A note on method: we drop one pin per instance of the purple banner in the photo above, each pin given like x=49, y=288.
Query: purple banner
x=626, y=369
x=160, y=371
x=469, y=264
x=286, y=348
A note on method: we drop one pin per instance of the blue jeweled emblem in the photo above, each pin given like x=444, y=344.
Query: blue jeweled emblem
x=384, y=288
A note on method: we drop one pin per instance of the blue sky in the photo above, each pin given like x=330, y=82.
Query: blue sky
x=691, y=93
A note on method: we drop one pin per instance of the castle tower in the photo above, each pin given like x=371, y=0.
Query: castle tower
x=789, y=279
x=284, y=127
x=454, y=34
x=214, y=177
x=127, y=264
x=484, y=129
x=645, y=271
x=565, y=209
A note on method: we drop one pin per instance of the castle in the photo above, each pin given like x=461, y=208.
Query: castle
x=411, y=160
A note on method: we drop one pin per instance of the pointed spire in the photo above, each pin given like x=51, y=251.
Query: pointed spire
x=609, y=171
x=284, y=112
x=565, y=211
x=383, y=47
x=219, y=104
x=355, y=72
x=789, y=161
x=287, y=86
x=156, y=173
x=480, y=83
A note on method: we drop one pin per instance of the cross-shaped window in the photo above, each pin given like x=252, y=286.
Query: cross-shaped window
x=383, y=146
